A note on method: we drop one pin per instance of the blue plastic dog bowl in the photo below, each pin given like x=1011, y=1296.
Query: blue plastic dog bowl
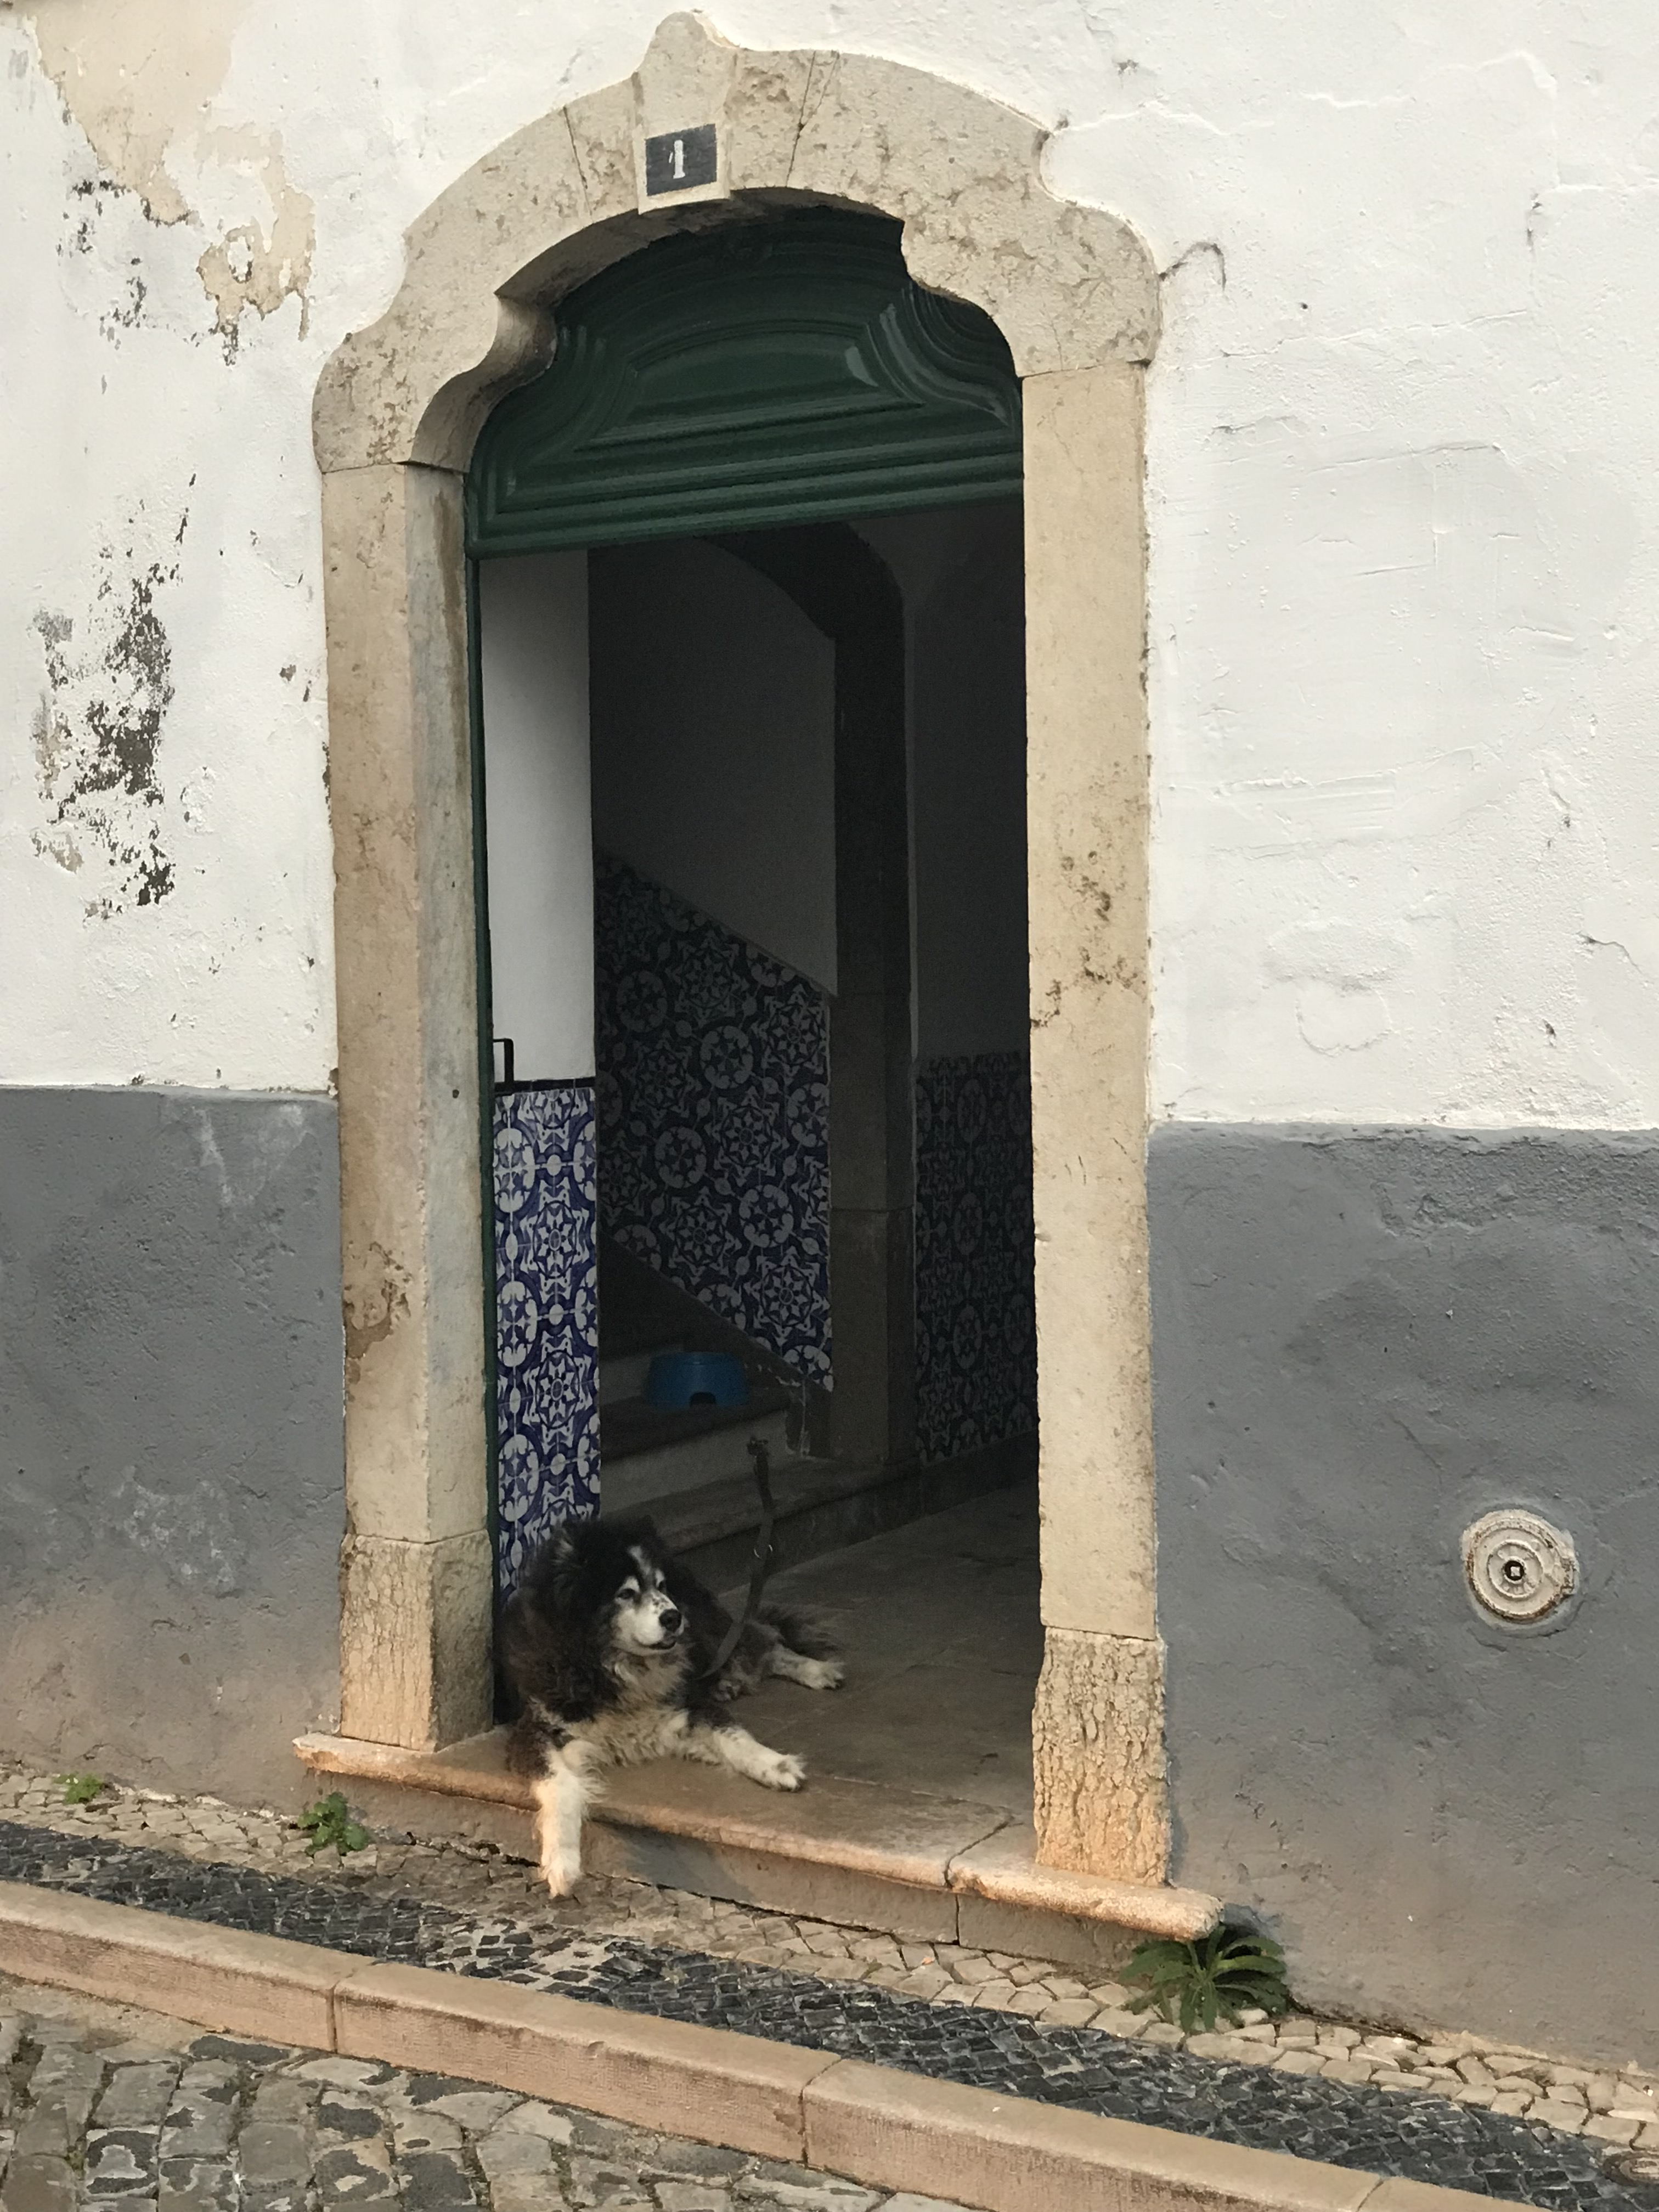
x=677, y=1380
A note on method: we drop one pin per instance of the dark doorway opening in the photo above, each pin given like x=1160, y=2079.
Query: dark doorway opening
x=790, y=1121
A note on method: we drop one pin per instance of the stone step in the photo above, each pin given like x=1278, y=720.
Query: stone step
x=822, y=1505
x=647, y=1452
x=862, y=1854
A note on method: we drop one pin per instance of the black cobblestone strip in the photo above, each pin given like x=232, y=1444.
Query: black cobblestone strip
x=1418, y=2137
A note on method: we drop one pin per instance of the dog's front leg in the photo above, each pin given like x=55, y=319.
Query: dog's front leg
x=563, y=1793
x=722, y=1743
x=810, y=1673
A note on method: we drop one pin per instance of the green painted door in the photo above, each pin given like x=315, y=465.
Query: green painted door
x=762, y=374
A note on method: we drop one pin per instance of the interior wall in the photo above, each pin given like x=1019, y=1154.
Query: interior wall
x=533, y=647
x=533, y=621
x=714, y=744
x=547, y=1317
x=961, y=573
x=714, y=1115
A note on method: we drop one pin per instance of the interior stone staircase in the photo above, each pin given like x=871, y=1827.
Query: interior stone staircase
x=648, y=1454
x=691, y=1471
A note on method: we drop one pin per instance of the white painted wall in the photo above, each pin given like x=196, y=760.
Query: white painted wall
x=714, y=744
x=533, y=621
x=1403, y=508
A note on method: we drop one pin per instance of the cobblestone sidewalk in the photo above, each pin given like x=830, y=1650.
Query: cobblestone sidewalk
x=1613, y=2107
x=99, y=2105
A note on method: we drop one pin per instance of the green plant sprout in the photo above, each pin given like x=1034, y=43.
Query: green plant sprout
x=81, y=1789
x=1213, y=1979
x=329, y=1823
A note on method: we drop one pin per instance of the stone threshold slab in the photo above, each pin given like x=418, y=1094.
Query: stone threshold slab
x=872, y=2124
x=972, y=1858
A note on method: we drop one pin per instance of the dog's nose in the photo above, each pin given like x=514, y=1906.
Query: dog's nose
x=669, y=1617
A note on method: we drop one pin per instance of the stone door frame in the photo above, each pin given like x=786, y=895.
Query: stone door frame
x=397, y=411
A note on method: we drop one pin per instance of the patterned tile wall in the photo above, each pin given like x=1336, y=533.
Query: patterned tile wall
x=975, y=1302
x=713, y=1102
x=547, y=1317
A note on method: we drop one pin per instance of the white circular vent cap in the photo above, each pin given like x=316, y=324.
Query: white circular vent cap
x=1519, y=1567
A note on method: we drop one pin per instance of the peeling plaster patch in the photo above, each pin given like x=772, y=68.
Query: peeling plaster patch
x=88, y=200
x=130, y=313
x=111, y=273
x=134, y=87
x=142, y=102
x=251, y=267
x=97, y=732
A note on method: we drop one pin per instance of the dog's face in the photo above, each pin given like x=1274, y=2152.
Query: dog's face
x=597, y=1590
x=644, y=1616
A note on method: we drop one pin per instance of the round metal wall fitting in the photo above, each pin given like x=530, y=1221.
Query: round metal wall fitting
x=1519, y=1568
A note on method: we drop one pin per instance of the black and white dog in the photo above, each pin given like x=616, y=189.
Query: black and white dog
x=609, y=1644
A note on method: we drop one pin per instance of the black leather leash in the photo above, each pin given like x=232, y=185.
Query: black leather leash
x=761, y=1458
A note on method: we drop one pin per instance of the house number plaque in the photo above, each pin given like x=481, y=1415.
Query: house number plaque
x=675, y=161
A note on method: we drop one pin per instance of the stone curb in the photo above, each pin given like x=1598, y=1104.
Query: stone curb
x=887, y=2130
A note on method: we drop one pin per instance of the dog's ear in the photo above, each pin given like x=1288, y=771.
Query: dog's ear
x=570, y=1550
x=551, y=1577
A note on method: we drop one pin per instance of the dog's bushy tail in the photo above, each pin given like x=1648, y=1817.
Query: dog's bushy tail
x=805, y=1632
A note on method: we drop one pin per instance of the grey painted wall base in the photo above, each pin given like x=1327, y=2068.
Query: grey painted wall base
x=171, y=1488
x=1362, y=1341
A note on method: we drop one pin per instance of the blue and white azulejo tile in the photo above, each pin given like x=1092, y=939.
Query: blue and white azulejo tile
x=547, y=1317
x=975, y=1296
x=713, y=1091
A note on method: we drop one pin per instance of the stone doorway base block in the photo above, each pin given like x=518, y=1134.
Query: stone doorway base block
x=415, y=1638
x=1097, y=1754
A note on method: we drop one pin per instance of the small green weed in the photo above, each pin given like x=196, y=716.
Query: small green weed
x=1212, y=1979
x=81, y=1789
x=329, y=1824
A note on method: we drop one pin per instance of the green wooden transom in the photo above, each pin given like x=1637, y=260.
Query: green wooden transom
x=763, y=374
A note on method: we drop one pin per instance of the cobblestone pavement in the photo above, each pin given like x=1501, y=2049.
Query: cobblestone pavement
x=1613, y=2108
x=1320, y=2089
x=102, y=2105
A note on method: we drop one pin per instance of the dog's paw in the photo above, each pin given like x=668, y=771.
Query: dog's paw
x=822, y=1673
x=562, y=1875
x=781, y=1769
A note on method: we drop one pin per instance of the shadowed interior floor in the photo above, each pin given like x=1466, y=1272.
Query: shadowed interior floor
x=939, y=1626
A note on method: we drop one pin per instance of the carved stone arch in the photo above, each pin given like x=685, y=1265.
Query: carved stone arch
x=397, y=412
x=1069, y=287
